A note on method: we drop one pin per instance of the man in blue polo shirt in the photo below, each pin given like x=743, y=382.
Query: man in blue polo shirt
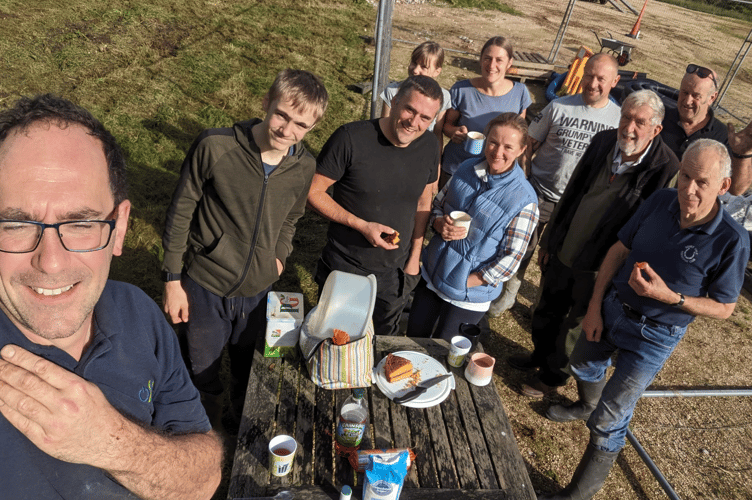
x=95, y=400
x=678, y=257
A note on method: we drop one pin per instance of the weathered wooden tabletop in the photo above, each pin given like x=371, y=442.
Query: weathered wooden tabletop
x=464, y=446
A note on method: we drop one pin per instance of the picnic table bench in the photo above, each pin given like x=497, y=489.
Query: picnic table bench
x=465, y=446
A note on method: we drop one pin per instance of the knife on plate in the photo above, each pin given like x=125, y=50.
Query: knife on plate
x=420, y=389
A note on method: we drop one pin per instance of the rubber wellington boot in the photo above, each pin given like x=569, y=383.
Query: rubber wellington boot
x=506, y=299
x=590, y=394
x=589, y=476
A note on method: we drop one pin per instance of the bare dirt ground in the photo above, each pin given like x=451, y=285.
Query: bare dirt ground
x=702, y=445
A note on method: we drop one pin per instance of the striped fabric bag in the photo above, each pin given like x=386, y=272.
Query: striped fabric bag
x=339, y=366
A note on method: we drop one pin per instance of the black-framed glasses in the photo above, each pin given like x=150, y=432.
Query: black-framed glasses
x=702, y=73
x=21, y=236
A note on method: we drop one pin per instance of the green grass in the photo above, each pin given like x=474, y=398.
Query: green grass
x=723, y=8
x=483, y=5
x=158, y=72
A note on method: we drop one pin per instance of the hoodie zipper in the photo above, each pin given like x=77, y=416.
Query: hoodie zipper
x=262, y=200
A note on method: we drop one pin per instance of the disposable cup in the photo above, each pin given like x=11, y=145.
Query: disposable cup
x=461, y=219
x=474, y=143
x=282, y=450
x=458, y=349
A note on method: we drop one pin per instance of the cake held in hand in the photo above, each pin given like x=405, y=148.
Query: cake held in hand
x=340, y=337
x=392, y=238
x=397, y=368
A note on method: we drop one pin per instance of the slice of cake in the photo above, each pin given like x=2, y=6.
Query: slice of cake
x=397, y=368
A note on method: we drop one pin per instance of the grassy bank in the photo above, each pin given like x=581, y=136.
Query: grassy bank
x=159, y=72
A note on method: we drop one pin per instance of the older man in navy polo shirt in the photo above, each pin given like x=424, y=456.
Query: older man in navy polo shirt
x=677, y=257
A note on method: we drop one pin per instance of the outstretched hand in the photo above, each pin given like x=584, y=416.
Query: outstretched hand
x=64, y=415
x=740, y=142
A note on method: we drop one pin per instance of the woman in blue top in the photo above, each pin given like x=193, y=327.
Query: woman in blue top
x=478, y=100
x=463, y=270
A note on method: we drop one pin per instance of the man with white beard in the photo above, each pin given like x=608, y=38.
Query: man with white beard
x=619, y=170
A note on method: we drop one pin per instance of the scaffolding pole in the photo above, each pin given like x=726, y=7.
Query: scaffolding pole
x=560, y=35
x=382, y=58
x=733, y=69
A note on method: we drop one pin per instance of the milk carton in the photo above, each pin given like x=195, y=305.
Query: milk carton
x=284, y=315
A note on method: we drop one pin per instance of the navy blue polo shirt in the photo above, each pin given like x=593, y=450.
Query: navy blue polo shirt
x=134, y=358
x=708, y=260
x=677, y=139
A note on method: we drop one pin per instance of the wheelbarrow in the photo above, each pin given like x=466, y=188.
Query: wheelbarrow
x=622, y=51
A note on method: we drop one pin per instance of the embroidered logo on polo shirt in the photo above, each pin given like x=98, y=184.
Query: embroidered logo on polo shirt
x=689, y=254
x=146, y=392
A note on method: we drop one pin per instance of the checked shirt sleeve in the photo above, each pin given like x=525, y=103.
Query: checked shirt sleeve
x=512, y=247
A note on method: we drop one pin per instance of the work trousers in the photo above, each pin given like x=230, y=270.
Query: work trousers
x=564, y=298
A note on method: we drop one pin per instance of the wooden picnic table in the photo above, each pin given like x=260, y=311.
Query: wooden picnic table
x=465, y=446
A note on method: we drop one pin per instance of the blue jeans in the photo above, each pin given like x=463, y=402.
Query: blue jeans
x=643, y=349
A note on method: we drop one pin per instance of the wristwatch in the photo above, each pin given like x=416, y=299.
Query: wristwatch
x=681, y=300
x=741, y=157
x=170, y=276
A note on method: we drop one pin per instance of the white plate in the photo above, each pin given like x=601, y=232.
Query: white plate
x=429, y=368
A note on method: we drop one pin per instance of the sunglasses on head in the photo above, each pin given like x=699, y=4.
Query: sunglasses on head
x=702, y=73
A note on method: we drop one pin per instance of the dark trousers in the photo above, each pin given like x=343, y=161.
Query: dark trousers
x=214, y=322
x=392, y=291
x=565, y=294
x=429, y=311
x=545, y=209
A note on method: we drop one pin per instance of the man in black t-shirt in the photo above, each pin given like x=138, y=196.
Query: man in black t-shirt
x=383, y=173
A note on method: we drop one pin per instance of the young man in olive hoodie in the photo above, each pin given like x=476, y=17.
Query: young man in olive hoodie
x=230, y=226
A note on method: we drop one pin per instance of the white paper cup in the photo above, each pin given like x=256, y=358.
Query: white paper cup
x=282, y=450
x=474, y=143
x=461, y=219
x=458, y=349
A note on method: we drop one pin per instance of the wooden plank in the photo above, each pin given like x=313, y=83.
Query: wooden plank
x=441, y=448
x=382, y=429
x=436, y=348
x=529, y=73
x=322, y=431
x=423, y=447
x=502, y=445
x=615, y=5
x=304, y=426
x=479, y=453
x=319, y=493
x=250, y=470
x=458, y=438
x=634, y=11
x=401, y=439
x=286, y=415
